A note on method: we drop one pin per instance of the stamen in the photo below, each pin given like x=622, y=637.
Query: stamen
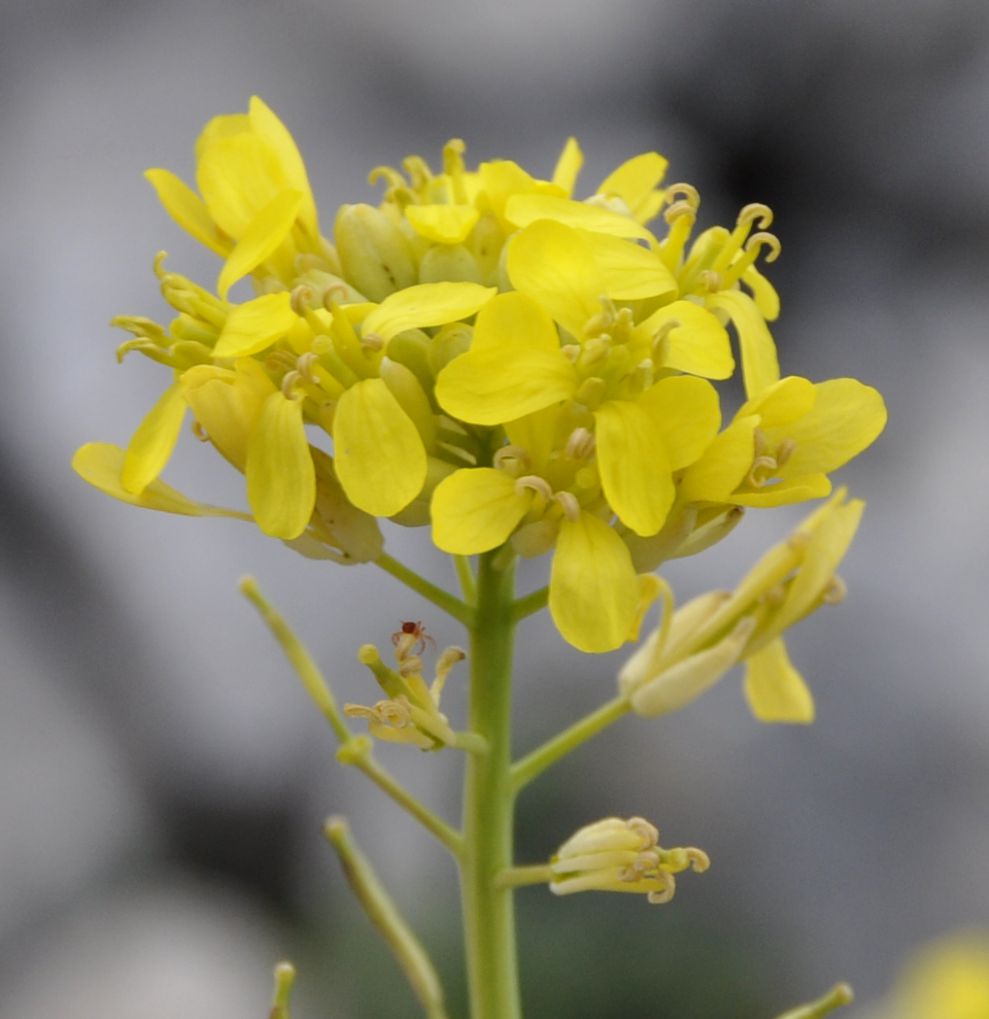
x=199, y=432
x=755, y=213
x=373, y=341
x=657, y=898
x=512, y=459
x=682, y=193
x=710, y=280
x=580, y=444
x=534, y=483
x=453, y=166
x=785, y=451
x=836, y=591
x=304, y=365
x=569, y=504
x=300, y=299
x=680, y=210
x=648, y=832
x=764, y=240
x=754, y=478
x=291, y=386
x=332, y=293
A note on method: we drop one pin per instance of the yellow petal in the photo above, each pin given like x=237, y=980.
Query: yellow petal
x=553, y=264
x=379, y=456
x=513, y=320
x=237, y=173
x=101, y=465
x=635, y=470
x=723, y=466
x=760, y=364
x=786, y=492
x=151, y=445
x=264, y=234
x=523, y=209
x=630, y=271
x=266, y=123
x=835, y=528
x=593, y=588
x=281, y=479
x=443, y=224
x=491, y=387
x=428, y=304
x=847, y=417
x=686, y=410
x=227, y=403
x=775, y=690
x=693, y=340
x=568, y=166
x=782, y=403
x=255, y=325
x=187, y=209
x=635, y=182
x=476, y=510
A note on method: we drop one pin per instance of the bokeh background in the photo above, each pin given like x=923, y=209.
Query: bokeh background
x=163, y=778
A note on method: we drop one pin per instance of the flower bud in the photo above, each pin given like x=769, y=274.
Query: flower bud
x=375, y=256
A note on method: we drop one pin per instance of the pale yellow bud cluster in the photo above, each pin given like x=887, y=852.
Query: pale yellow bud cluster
x=699, y=642
x=411, y=711
x=615, y=855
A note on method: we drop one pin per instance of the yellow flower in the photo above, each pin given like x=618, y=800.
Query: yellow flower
x=696, y=645
x=255, y=208
x=948, y=979
x=616, y=855
x=484, y=351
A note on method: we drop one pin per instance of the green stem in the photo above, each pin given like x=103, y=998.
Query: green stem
x=357, y=751
x=431, y=592
x=384, y=914
x=532, y=874
x=284, y=980
x=489, y=917
x=536, y=762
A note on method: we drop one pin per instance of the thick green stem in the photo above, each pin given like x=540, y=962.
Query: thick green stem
x=489, y=917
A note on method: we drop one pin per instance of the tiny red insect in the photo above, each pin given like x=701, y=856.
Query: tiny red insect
x=415, y=629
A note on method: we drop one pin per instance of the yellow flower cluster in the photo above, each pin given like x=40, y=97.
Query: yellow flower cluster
x=486, y=353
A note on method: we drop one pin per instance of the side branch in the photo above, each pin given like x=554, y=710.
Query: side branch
x=442, y=599
x=536, y=762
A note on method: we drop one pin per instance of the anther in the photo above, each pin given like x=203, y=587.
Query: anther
x=512, y=459
x=764, y=240
x=534, y=483
x=300, y=299
x=373, y=341
x=683, y=193
x=291, y=385
x=334, y=294
x=711, y=280
x=757, y=214
x=568, y=502
x=199, y=432
x=785, y=451
x=835, y=592
x=679, y=210
x=580, y=444
x=304, y=365
x=754, y=478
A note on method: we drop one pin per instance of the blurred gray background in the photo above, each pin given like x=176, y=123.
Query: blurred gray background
x=163, y=778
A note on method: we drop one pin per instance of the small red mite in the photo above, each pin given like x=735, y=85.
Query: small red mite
x=417, y=630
